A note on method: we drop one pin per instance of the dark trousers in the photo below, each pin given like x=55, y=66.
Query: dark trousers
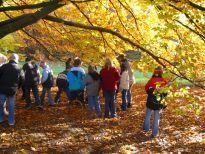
x=23, y=92
x=60, y=90
x=77, y=95
x=35, y=91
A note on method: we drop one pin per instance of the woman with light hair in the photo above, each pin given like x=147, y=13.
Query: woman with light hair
x=109, y=79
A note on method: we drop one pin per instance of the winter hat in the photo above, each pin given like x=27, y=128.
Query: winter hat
x=14, y=57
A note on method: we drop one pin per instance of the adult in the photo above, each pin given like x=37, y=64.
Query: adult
x=153, y=103
x=92, y=83
x=121, y=59
x=69, y=64
x=124, y=85
x=32, y=79
x=109, y=78
x=47, y=82
x=10, y=78
x=76, y=81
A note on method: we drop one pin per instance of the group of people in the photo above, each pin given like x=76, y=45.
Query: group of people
x=74, y=81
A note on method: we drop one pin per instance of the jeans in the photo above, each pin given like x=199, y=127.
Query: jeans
x=11, y=106
x=60, y=90
x=129, y=97
x=155, y=127
x=93, y=102
x=35, y=91
x=110, y=104
x=124, y=99
x=50, y=98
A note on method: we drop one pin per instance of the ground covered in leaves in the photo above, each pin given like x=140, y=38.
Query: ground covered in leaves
x=71, y=129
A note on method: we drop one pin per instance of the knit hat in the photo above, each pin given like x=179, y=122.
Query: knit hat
x=14, y=57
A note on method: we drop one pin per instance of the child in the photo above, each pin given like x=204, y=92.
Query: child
x=152, y=103
x=62, y=84
x=124, y=86
x=92, y=83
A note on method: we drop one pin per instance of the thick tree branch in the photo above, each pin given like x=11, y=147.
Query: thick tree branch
x=26, y=19
x=196, y=6
x=29, y=6
x=34, y=6
x=101, y=29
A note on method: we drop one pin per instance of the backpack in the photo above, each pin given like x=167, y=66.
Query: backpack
x=49, y=82
x=75, y=80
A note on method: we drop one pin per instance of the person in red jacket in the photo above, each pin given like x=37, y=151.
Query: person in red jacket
x=153, y=104
x=109, y=78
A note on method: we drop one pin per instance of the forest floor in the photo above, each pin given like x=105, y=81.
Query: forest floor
x=67, y=128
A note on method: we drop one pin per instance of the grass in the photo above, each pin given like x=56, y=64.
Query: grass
x=140, y=77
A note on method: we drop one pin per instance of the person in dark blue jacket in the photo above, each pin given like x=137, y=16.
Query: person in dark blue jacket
x=11, y=77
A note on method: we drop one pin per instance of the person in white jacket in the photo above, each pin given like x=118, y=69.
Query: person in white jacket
x=122, y=60
x=124, y=86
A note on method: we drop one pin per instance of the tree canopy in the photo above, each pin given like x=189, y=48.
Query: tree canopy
x=167, y=32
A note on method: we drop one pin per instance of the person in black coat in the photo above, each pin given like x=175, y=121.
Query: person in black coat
x=32, y=79
x=11, y=77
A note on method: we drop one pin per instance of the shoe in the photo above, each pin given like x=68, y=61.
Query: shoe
x=99, y=115
x=51, y=105
x=154, y=136
x=11, y=126
x=2, y=122
x=145, y=131
x=57, y=102
x=129, y=105
x=28, y=107
x=40, y=107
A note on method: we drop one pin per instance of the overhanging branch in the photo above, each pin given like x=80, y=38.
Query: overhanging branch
x=101, y=29
x=35, y=6
x=28, y=19
x=105, y=30
x=196, y=6
x=29, y=6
